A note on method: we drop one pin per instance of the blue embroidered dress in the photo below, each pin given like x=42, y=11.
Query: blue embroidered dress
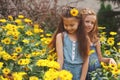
x=93, y=63
x=72, y=59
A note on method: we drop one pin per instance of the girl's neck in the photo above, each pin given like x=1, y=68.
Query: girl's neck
x=73, y=37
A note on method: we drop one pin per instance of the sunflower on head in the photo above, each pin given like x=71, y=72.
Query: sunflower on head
x=68, y=11
x=74, y=12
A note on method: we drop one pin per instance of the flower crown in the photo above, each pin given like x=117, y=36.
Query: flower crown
x=87, y=11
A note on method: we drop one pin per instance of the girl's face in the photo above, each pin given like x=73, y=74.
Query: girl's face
x=89, y=22
x=71, y=24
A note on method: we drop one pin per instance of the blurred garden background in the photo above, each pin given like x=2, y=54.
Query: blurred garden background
x=26, y=27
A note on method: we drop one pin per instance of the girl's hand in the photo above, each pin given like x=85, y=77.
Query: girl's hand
x=112, y=61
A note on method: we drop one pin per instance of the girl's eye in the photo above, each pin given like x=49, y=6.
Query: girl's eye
x=87, y=21
x=71, y=25
x=65, y=25
x=92, y=22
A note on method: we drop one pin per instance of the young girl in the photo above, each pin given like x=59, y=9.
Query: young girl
x=89, y=20
x=71, y=44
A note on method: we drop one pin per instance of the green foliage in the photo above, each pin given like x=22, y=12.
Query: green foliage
x=106, y=18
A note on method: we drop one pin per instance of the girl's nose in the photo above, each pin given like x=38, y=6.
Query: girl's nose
x=89, y=24
x=68, y=28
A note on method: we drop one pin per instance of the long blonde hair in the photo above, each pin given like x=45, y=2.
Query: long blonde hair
x=93, y=34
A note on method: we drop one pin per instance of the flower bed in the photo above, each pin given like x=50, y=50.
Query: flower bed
x=24, y=54
x=110, y=48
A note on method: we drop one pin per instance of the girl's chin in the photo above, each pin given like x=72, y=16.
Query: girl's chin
x=88, y=31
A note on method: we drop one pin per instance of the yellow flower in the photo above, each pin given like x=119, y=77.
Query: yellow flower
x=103, y=33
x=65, y=75
x=6, y=71
x=118, y=43
x=10, y=17
x=18, y=21
x=101, y=27
x=40, y=30
x=51, y=74
x=6, y=41
x=104, y=65
x=15, y=37
x=103, y=39
x=50, y=57
x=3, y=20
x=18, y=49
x=36, y=26
x=2, y=78
x=27, y=20
x=110, y=41
x=91, y=52
x=36, y=30
x=115, y=71
x=113, y=33
x=48, y=35
x=34, y=78
x=118, y=65
x=29, y=33
x=20, y=16
x=53, y=64
x=42, y=35
x=18, y=75
x=107, y=52
x=74, y=12
x=112, y=66
x=1, y=64
x=6, y=56
x=37, y=44
x=24, y=61
x=119, y=50
x=27, y=55
x=1, y=48
x=25, y=41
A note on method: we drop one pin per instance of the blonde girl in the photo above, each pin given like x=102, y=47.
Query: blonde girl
x=89, y=21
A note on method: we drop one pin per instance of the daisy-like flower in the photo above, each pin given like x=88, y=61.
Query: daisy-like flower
x=101, y=27
x=1, y=64
x=107, y=52
x=10, y=17
x=34, y=78
x=18, y=49
x=110, y=41
x=3, y=20
x=20, y=16
x=74, y=12
x=118, y=43
x=113, y=33
x=6, y=70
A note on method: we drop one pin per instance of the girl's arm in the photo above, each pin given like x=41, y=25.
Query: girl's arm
x=59, y=49
x=102, y=59
x=84, y=69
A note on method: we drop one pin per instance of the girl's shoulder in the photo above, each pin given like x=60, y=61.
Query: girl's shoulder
x=95, y=43
x=62, y=34
x=59, y=35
